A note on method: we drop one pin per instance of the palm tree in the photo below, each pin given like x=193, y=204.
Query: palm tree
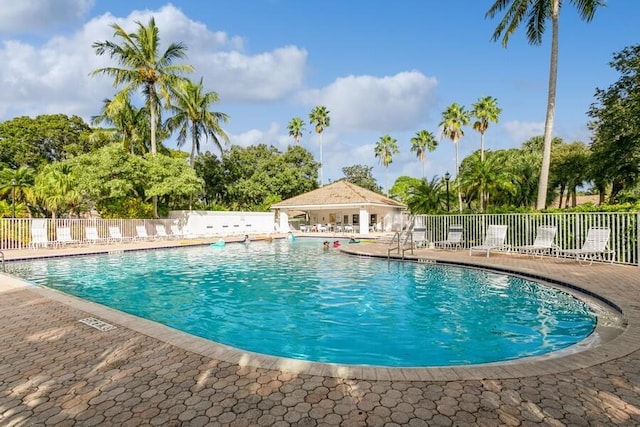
x=537, y=12
x=422, y=142
x=485, y=110
x=453, y=119
x=485, y=179
x=17, y=184
x=427, y=197
x=386, y=147
x=319, y=116
x=296, y=127
x=130, y=125
x=191, y=107
x=142, y=67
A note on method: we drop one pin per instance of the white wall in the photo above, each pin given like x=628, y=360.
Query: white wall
x=209, y=223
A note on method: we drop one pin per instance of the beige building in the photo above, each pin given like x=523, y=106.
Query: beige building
x=341, y=207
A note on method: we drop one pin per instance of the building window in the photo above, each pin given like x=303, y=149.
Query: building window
x=356, y=219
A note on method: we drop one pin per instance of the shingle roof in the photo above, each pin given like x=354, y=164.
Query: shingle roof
x=338, y=193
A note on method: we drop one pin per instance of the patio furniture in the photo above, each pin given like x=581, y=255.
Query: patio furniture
x=543, y=244
x=91, y=235
x=494, y=240
x=63, y=237
x=453, y=240
x=594, y=248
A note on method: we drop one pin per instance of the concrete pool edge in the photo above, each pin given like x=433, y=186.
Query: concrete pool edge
x=626, y=342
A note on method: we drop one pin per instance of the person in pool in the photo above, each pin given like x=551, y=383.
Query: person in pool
x=326, y=245
x=246, y=239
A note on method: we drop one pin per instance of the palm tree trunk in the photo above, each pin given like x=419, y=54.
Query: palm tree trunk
x=321, y=165
x=551, y=105
x=459, y=193
x=423, y=174
x=482, y=146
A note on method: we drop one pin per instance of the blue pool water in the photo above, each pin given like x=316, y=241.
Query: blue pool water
x=296, y=300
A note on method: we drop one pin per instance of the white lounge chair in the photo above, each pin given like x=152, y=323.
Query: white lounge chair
x=176, y=231
x=115, y=234
x=595, y=247
x=141, y=232
x=544, y=242
x=494, y=240
x=419, y=238
x=161, y=232
x=454, y=238
x=63, y=237
x=39, y=237
x=91, y=235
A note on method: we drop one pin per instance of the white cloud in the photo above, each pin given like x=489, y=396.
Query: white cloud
x=521, y=131
x=379, y=104
x=54, y=77
x=38, y=16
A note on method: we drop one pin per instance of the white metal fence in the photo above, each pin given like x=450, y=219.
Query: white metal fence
x=572, y=229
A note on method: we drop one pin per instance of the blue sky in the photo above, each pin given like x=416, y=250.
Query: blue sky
x=379, y=68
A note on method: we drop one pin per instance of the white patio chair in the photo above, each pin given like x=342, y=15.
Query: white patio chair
x=91, y=235
x=141, y=233
x=494, y=240
x=115, y=235
x=63, y=237
x=453, y=240
x=544, y=242
x=161, y=232
x=39, y=237
x=595, y=247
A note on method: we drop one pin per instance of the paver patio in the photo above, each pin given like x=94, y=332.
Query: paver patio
x=55, y=370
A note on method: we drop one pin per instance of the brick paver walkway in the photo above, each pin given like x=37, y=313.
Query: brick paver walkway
x=57, y=371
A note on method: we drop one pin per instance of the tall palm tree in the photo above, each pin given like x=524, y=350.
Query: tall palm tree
x=385, y=148
x=485, y=110
x=485, y=179
x=143, y=67
x=453, y=119
x=192, y=114
x=421, y=143
x=296, y=127
x=537, y=13
x=17, y=184
x=319, y=117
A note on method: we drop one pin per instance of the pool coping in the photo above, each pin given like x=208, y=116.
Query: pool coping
x=627, y=341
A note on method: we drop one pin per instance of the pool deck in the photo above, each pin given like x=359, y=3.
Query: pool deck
x=55, y=370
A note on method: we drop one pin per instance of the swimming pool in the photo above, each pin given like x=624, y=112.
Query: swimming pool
x=296, y=300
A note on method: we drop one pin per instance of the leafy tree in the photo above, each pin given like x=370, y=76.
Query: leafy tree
x=537, y=13
x=402, y=187
x=535, y=144
x=523, y=167
x=427, y=197
x=385, y=148
x=485, y=110
x=55, y=190
x=35, y=142
x=569, y=169
x=616, y=126
x=453, y=119
x=421, y=143
x=296, y=128
x=482, y=179
x=130, y=125
x=319, y=117
x=191, y=108
x=143, y=67
x=211, y=170
x=362, y=176
x=16, y=185
x=170, y=178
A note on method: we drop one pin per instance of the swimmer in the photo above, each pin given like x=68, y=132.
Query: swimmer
x=326, y=245
x=246, y=239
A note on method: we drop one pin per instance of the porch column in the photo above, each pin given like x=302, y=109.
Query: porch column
x=364, y=220
x=284, y=221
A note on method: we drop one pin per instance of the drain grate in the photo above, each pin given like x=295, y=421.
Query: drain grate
x=96, y=323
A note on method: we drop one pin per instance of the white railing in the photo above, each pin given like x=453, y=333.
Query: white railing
x=572, y=229
x=17, y=233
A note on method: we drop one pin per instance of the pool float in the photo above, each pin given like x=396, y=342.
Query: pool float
x=220, y=243
x=352, y=242
x=336, y=244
